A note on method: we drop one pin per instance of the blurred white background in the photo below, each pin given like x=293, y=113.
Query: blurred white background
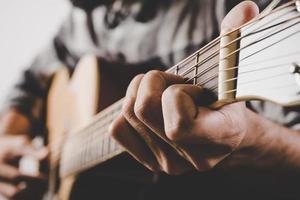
x=25, y=27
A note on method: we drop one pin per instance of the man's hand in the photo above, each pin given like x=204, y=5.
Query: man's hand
x=15, y=144
x=164, y=126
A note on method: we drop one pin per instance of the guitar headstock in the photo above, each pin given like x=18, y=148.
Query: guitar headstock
x=268, y=60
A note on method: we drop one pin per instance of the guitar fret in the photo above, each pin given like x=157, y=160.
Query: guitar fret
x=196, y=69
x=176, y=69
x=112, y=146
x=105, y=147
x=102, y=147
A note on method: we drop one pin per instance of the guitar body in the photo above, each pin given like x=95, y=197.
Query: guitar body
x=72, y=103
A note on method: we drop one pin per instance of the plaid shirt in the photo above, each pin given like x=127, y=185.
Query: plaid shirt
x=130, y=33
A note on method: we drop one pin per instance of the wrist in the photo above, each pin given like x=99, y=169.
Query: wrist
x=254, y=144
x=260, y=145
x=257, y=134
x=252, y=131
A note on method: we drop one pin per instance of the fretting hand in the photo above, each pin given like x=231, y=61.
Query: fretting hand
x=164, y=127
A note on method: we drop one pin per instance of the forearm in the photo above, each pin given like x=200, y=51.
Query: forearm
x=268, y=145
x=14, y=123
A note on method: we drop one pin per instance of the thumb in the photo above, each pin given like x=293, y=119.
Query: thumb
x=239, y=15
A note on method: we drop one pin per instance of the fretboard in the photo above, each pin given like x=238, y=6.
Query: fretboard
x=93, y=145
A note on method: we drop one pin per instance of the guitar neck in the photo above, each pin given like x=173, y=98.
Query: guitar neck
x=215, y=67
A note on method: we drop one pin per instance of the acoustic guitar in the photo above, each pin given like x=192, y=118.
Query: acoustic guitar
x=258, y=61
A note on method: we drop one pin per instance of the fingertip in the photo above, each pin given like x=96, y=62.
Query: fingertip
x=239, y=15
x=251, y=10
x=116, y=128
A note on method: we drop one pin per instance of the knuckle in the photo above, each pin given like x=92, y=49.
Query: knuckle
x=178, y=130
x=153, y=74
x=174, y=89
x=128, y=109
x=115, y=129
x=136, y=79
x=172, y=93
x=133, y=85
x=144, y=108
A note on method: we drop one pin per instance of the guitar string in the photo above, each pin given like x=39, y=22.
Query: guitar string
x=203, y=72
x=235, y=78
x=235, y=90
x=214, y=65
x=262, y=61
x=215, y=75
x=216, y=53
x=171, y=69
x=217, y=40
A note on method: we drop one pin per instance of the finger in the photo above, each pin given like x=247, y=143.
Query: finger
x=13, y=142
x=167, y=157
x=39, y=154
x=186, y=122
x=9, y=190
x=148, y=101
x=13, y=174
x=240, y=14
x=180, y=110
x=9, y=173
x=126, y=136
x=15, y=146
x=199, y=131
